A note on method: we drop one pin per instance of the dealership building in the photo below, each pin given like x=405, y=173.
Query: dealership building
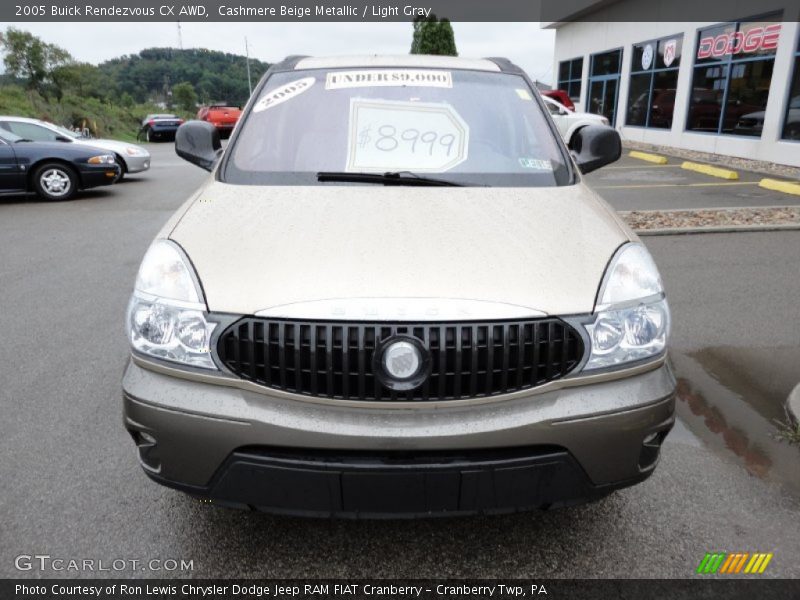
x=729, y=88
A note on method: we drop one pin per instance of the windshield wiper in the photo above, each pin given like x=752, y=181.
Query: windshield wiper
x=389, y=178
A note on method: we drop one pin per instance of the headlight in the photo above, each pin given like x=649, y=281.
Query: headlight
x=134, y=151
x=102, y=159
x=167, y=313
x=632, y=319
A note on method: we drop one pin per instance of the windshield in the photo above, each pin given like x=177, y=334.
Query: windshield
x=467, y=127
x=9, y=137
x=64, y=131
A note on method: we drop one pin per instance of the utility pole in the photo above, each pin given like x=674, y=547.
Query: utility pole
x=180, y=36
x=247, y=53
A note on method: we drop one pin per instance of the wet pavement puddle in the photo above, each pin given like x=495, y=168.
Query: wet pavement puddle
x=733, y=400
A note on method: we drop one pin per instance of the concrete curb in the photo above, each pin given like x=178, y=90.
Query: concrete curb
x=709, y=170
x=786, y=187
x=693, y=230
x=653, y=158
x=767, y=169
x=793, y=405
x=706, y=209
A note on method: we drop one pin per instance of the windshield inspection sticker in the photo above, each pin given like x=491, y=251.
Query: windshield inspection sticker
x=283, y=93
x=389, y=135
x=536, y=163
x=337, y=80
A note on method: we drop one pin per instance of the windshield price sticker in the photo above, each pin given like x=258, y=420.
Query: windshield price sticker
x=536, y=163
x=284, y=93
x=405, y=136
x=337, y=80
x=524, y=94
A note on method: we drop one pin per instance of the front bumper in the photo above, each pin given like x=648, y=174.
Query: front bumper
x=136, y=164
x=289, y=455
x=99, y=175
x=163, y=131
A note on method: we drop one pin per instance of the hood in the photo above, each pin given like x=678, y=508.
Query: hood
x=61, y=149
x=582, y=116
x=112, y=145
x=258, y=248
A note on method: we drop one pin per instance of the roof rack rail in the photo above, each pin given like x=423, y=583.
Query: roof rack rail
x=506, y=66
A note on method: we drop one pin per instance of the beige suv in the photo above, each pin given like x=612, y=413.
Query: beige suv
x=396, y=296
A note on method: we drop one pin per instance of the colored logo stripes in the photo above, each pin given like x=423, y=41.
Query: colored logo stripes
x=734, y=562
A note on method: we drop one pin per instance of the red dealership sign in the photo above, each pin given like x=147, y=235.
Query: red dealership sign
x=740, y=42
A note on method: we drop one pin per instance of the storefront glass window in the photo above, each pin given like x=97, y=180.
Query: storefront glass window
x=791, y=123
x=732, y=75
x=654, y=77
x=604, y=84
x=570, y=75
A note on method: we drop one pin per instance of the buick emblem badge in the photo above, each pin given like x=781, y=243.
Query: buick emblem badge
x=401, y=360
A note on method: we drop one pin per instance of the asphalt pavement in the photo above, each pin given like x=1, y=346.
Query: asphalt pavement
x=632, y=184
x=72, y=488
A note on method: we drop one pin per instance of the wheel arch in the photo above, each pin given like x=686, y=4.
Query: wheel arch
x=122, y=163
x=34, y=166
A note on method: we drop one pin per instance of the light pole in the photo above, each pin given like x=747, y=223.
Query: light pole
x=247, y=53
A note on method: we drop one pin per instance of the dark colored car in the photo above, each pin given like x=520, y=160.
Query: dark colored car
x=221, y=116
x=560, y=96
x=159, y=127
x=52, y=170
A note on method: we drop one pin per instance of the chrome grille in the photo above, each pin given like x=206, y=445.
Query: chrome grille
x=334, y=359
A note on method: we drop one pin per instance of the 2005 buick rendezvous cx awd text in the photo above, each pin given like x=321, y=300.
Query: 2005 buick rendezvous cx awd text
x=396, y=296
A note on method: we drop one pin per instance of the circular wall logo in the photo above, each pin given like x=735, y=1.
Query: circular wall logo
x=647, y=57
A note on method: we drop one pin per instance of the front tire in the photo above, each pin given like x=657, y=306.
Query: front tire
x=123, y=168
x=55, y=182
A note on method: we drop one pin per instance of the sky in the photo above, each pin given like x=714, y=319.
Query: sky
x=524, y=43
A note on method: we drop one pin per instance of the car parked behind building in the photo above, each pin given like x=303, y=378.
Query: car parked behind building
x=561, y=97
x=570, y=122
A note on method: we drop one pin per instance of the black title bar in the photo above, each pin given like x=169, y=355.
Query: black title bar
x=549, y=11
x=698, y=588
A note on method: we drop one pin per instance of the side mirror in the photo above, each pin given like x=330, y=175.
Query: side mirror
x=595, y=146
x=198, y=142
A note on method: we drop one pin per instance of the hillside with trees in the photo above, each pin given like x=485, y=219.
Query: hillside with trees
x=44, y=81
x=151, y=74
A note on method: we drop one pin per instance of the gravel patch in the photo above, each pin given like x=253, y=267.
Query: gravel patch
x=723, y=218
x=732, y=162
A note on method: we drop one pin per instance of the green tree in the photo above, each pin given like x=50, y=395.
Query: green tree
x=433, y=36
x=38, y=63
x=83, y=79
x=126, y=100
x=183, y=93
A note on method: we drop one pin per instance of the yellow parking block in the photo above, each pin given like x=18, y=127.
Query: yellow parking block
x=787, y=187
x=709, y=170
x=653, y=158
